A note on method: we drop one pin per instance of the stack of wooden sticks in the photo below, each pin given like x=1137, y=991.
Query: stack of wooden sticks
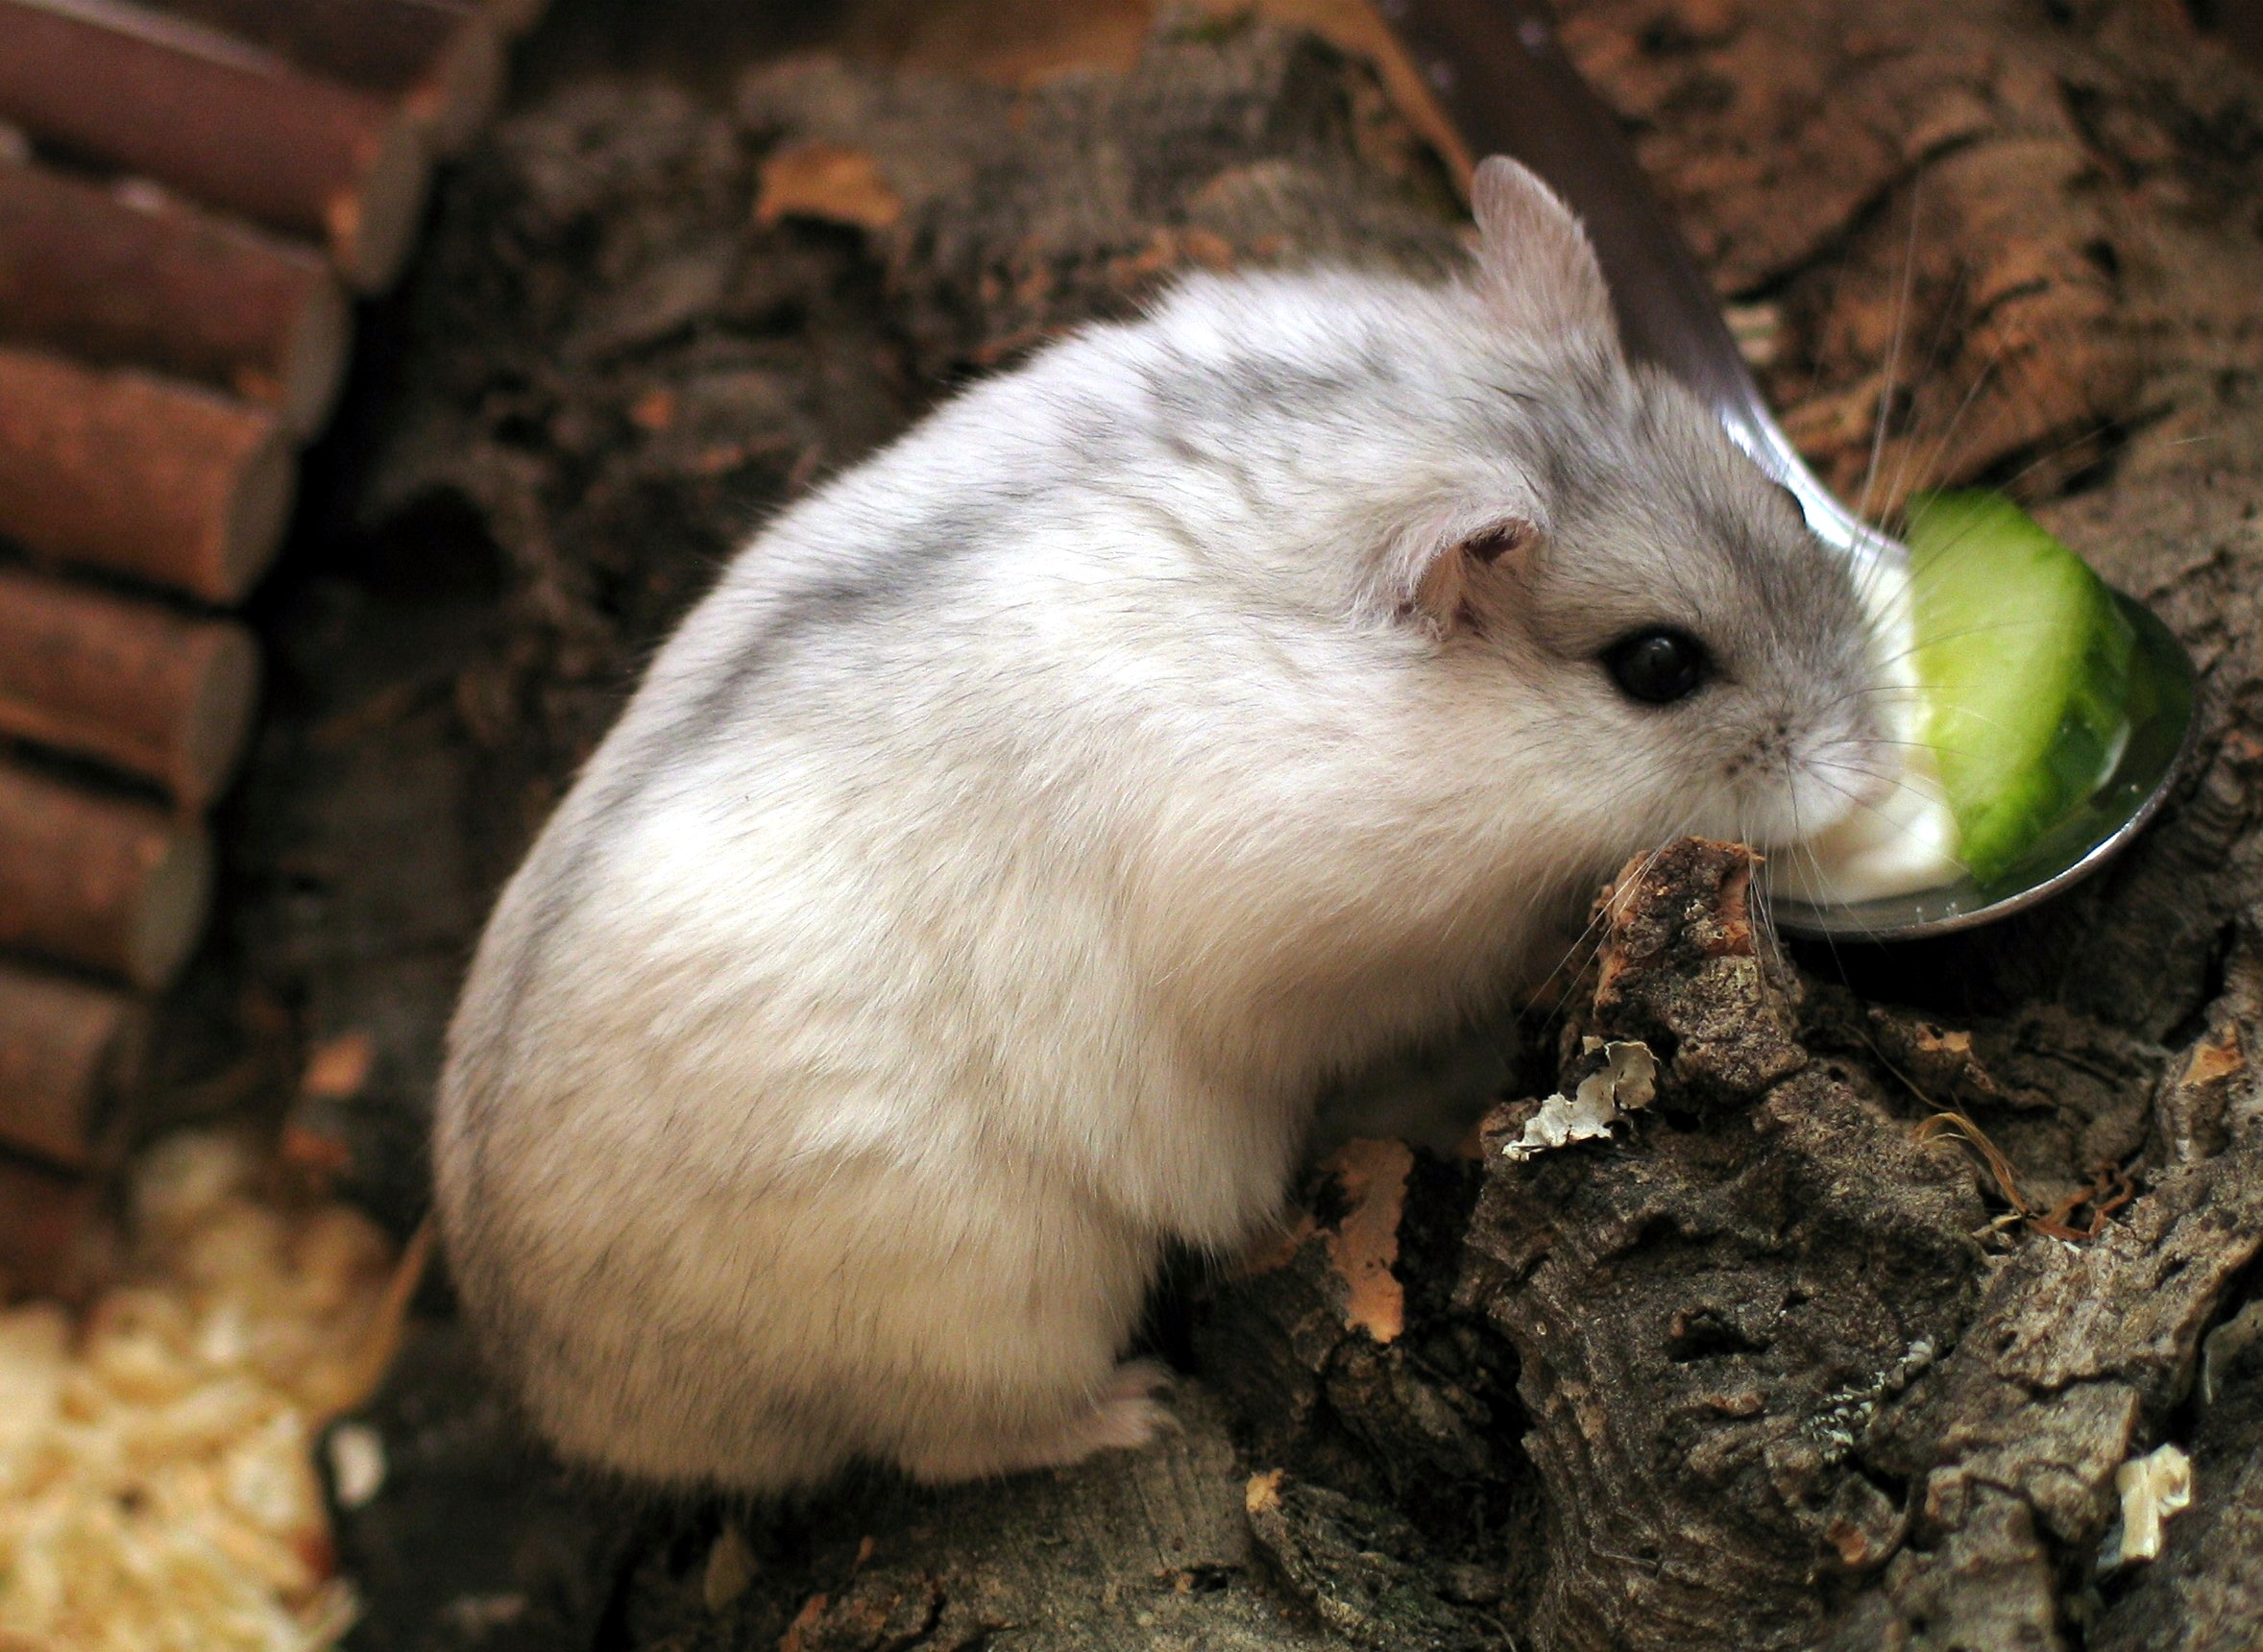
x=191, y=194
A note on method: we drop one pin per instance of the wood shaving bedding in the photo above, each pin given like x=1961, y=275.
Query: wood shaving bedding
x=157, y=1488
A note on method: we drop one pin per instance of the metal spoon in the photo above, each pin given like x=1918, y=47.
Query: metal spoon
x=1497, y=68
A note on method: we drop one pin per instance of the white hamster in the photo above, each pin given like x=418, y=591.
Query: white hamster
x=989, y=873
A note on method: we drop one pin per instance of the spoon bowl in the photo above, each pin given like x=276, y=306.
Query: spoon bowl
x=2159, y=740
x=1499, y=71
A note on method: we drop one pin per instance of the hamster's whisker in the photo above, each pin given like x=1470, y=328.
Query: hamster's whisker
x=1866, y=693
x=1993, y=627
x=1893, y=355
x=1949, y=308
x=1860, y=802
x=1941, y=551
x=1571, y=961
x=1932, y=359
x=1841, y=274
x=1977, y=717
x=1936, y=466
x=1843, y=766
x=1831, y=705
x=1771, y=947
x=1597, y=924
x=1572, y=958
x=2056, y=450
x=1901, y=744
x=1830, y=939
x=1594, y=929
x=2046, y=454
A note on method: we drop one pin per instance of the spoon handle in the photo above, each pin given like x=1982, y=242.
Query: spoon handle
x=1500, y=69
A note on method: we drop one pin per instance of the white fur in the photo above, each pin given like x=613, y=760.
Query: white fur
x=835, y=1069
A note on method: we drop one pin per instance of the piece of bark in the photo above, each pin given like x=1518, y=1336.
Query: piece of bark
x=1951, y=291
x=1274, y=1326
x=121, y=276
x=985, y=276
x=226, y=123
x=140, y=476
x=1706, y=1310
x=1363, y=1569
x=156, y=694
x=100, y=881
x=1393, y=1499
x=1126, y=1553
x=442, y=59
x=68, y=1052
x=2073, y=1365
x=2205, y=1591
x=828, y=182
x=2216, y=1088
x=1742, y=1326
x=46, y=1229
x=1309, y=1335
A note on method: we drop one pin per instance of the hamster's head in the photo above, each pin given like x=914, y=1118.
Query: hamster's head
x=1594, y=544
x=1707, y=664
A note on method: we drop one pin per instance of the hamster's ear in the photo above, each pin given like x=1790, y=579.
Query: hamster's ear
x=1540, y=269
x=1437, y=579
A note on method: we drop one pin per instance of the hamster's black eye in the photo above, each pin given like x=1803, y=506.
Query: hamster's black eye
x=1658, y=667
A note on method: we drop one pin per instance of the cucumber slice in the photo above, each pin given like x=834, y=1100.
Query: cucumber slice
x=2023, y=662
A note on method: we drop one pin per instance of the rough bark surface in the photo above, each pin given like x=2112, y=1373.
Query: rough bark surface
x=1789, y=1361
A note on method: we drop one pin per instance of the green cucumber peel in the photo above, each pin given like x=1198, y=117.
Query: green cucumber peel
x=2023, y=659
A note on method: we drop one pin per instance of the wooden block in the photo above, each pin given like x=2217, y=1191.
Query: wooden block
x=47, y=1219
x=102, y=881
x=141, y=476
x=443, y=59
x=129, y=277
x=68, y=1052
x=130, y=683
x=228, y=123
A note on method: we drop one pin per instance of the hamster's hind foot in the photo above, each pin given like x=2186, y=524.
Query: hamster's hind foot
x=1124, y=1416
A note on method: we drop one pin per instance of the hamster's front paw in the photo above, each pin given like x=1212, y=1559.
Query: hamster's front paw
x=1128, y=1413
x=1123, y=1416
